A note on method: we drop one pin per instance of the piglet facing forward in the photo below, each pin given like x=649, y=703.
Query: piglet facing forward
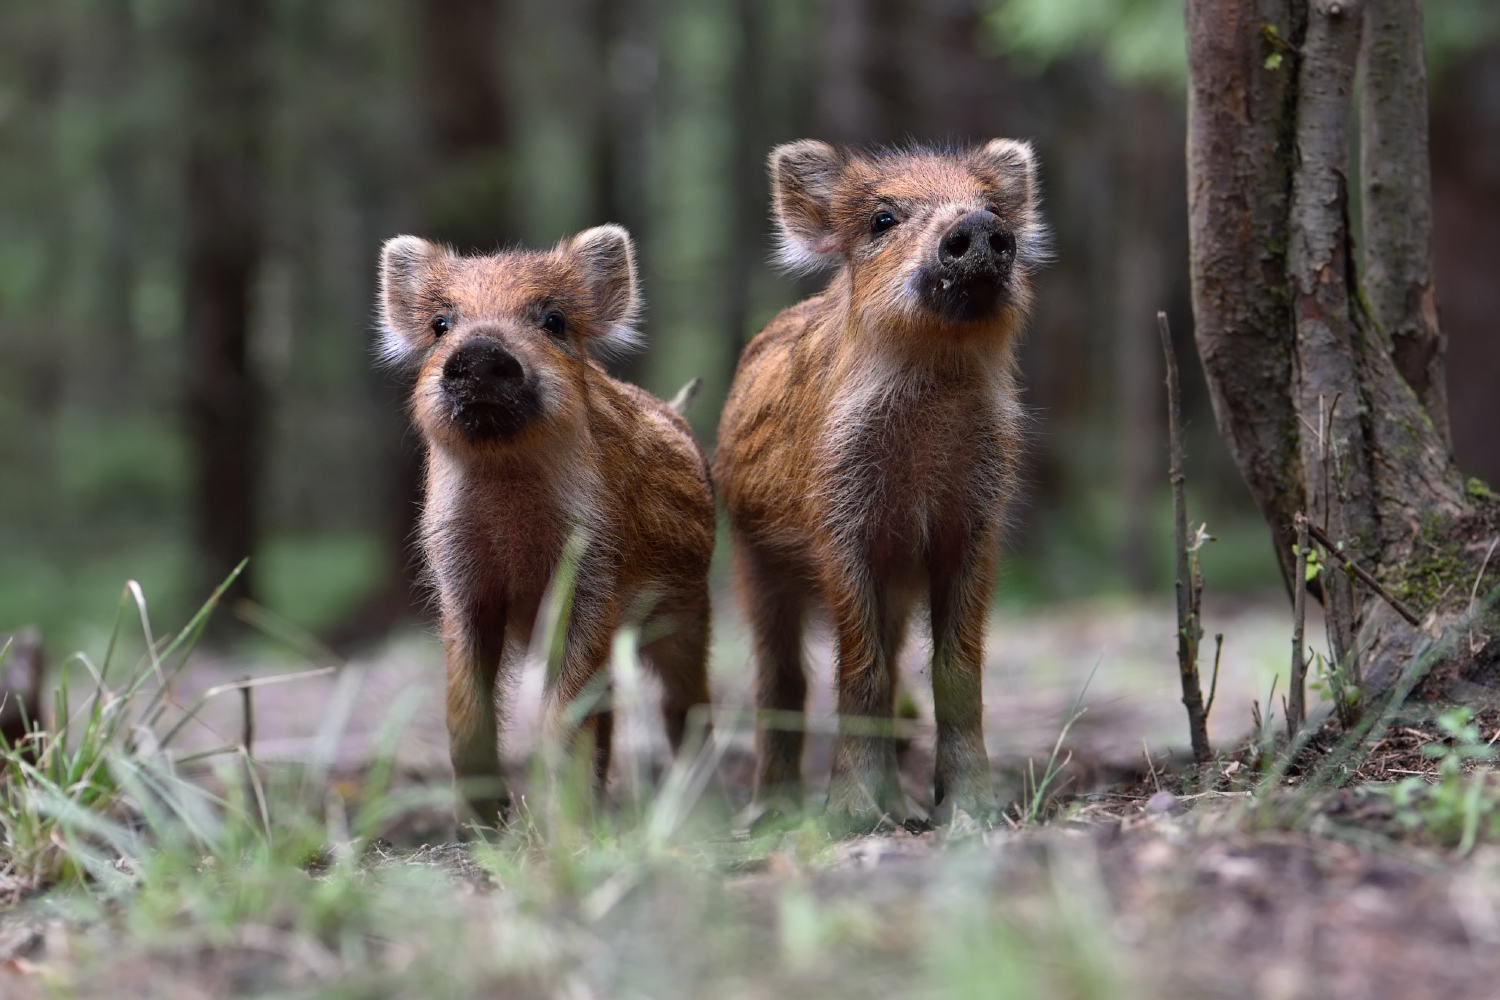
x=529, y=440
x=869, y=444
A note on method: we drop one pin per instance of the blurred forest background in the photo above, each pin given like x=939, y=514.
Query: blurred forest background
x=193, y=194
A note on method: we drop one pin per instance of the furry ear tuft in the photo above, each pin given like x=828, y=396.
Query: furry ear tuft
x=1015, y=161
x=1015, y=158
x=406, y=263
x=804, y=175
x=607, y=257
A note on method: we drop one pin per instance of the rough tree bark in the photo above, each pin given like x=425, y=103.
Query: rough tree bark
x=1396, y=188
x=1305, y=389
x=222, y=43
x=1240, y=157
x=1336, y=476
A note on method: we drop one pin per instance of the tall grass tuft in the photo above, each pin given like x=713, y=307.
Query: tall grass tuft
x=235, y=877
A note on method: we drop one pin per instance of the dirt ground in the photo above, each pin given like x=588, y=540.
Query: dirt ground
x=1037, y=663
x=1159, y=895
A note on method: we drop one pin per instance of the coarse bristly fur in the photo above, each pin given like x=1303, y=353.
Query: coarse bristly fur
x=529, y=441
x=869, y=445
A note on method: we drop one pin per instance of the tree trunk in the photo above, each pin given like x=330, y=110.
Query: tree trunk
x=747, y=238
x=466, y=201
x=866, y=94
x=1336, y=474
x=222, y=58
x=1240, y=158
x=620, y=85
x=1141, y=289
x=1306, y=390
x=116, y=69
x=1396, y=188
x=467, y=194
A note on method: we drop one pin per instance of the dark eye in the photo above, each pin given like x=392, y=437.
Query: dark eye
x=553, y=323
x=881, y=221
x=440, y=324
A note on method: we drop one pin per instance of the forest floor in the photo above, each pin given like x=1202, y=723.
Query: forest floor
x=1134, y=875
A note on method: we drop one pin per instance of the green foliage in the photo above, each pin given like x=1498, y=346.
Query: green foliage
x=1314, y=562
x=313, y=581
x=1454, y=28
x=1142, y=41
x=1459, y=807
x=1139, y=40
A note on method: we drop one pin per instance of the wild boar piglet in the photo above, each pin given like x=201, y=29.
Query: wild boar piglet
x=869, y=444
x=529, y=441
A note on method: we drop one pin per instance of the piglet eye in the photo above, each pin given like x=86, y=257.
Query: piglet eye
x=881, y=221
x=553, y=323
x=440, y=324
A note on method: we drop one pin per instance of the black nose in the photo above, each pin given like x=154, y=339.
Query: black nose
x=485, y=361
x=977, y=240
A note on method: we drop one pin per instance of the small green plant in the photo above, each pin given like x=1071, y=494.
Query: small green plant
x=72, y=769
x=1458, y=807
x=1332, y=683
x=1034, y=790
x=1314, y=562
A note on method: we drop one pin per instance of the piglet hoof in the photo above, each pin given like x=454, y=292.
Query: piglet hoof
x=759, y=820
x=872, y=805
x=977, y=806
x=772, y=809
x=480, y=820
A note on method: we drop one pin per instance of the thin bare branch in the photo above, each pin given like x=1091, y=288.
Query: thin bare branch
x=1213, y=684
x=1188, y=629
x=1333, y=549
x=1299, y=621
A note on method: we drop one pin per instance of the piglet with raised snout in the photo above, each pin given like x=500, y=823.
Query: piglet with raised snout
x=868, y=446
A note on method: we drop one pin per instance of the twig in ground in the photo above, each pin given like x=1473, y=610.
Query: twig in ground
x=247, y=705
x=1149, y=765
x=1299, y=621
x=1333, y=549
x=1474, y=593
x=1188, y=628
x=1213, y=684
x=1474, y=590
x=1271, y=700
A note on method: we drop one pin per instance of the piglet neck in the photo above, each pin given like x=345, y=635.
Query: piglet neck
x=538, y=459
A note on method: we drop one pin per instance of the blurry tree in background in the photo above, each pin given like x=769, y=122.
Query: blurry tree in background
x=326, y=127
x=222, y=51
x=465, y=174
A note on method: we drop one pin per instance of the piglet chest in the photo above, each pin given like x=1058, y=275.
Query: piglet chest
x=907, y=464
x=496, y=543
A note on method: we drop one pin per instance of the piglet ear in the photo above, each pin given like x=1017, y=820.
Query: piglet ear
x=607, y=259
x=1014, y=159
x=804, y=175
x=1014, y=162
x=408, y=266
